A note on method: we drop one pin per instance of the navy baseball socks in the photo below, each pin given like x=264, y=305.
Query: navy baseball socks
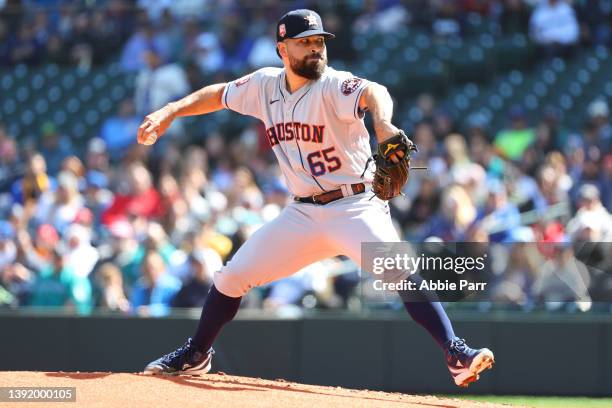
x=195, y=356
x=218, y=310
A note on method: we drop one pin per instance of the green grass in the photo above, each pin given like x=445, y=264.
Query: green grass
x=543, y=402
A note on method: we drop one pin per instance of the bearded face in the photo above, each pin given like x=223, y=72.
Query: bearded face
x=307, y=57
x=311, y=66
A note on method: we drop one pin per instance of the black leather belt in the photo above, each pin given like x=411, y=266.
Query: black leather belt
x=329, y=196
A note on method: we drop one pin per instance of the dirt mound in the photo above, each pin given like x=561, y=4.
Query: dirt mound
x=214, y=390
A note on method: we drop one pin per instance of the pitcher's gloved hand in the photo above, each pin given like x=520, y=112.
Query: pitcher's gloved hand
x=392, y=166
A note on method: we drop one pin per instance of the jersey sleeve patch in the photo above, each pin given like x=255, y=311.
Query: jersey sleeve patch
x=243, y=80
x=350, y=85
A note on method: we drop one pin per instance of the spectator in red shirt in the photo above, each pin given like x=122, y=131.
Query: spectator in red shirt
x=140, y=200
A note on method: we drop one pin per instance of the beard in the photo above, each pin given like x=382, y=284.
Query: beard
x=308, y=67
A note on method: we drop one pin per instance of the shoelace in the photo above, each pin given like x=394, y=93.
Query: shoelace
x=180, y=350
x=456, y=346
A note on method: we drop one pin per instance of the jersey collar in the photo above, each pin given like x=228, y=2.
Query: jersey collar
x=286, y=95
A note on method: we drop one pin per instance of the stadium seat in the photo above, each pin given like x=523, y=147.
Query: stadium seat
x=7, y=82
x=54, y=94
x=92, y=117
x=104, y=105
x=22, y=94
x=37, y=82
x=68, y=81
x=59, y=117
x=85, y=93
x=99, y=81
x=73, y=105
x=9, y=106
x=51, y=71
x=41, y=107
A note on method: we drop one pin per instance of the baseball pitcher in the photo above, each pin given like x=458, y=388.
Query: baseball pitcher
x=313, y=117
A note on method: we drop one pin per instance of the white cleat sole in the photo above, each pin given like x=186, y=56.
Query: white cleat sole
x=157, y=370
x=483, y=361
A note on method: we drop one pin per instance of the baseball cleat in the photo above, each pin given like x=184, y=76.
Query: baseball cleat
x=464, y=363
x=184, y=360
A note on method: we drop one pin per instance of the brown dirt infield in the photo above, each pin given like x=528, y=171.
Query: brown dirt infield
x=124, y=390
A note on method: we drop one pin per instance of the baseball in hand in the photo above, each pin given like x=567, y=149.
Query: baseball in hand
x=152, y=138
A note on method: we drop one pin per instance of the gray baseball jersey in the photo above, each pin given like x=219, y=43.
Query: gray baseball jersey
x=317, y=133
x=321, y=143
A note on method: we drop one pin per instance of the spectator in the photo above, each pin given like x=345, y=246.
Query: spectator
x=521, y=271
x=456, y=215
x=118, y=131
x=124, y=251
x=514, y=17
x=153, y=292
x=263, y=53
x=97, y=156
x=33, y=184
x=182, y=9
x=554, y=27
x=133, y=54
x=550, y=133
x=81, y=42
x=60, y=208
x=110, y=281
x=24, y=49
x=208, y=54
x=74, y=166
x=4, y=44
x=158, y=83
x=594, y=16
x=425, y=205
x=107, y=36
x=81, y=256
x=58, y=286
x=446, y=21
x=97, y=195
x=234, y=43
x=10, y=164
x=36, y=255
x=549, y=192
x=563, y=281
x=194, y=291
x=592, y=222
x=498, y=216
x=55, y=147
x=513, y=142
x=378, y=18
x=8, y=250
x=599, y=114
x=141, y=199
x=18, y=280
x=606, y=181
x=154, y=8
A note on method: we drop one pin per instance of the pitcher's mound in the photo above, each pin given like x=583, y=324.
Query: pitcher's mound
x=214, y=390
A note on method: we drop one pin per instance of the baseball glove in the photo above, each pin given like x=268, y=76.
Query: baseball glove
x=389, y=177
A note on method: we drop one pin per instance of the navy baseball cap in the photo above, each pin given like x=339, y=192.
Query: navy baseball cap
x=300, y=23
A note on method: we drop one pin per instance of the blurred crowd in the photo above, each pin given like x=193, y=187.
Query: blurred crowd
x=140, y=230
x=524, y=183
x=216, y=38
